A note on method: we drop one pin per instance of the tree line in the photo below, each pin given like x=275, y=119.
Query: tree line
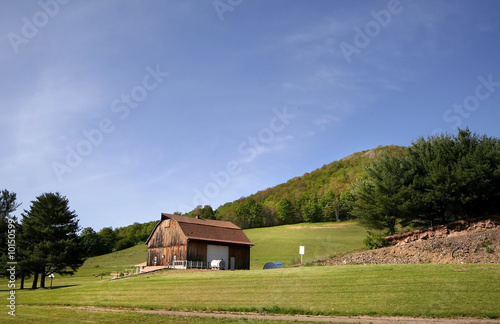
x=251, y=213
x=109, y=240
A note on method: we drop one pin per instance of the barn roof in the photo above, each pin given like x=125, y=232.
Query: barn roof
x=207, y=229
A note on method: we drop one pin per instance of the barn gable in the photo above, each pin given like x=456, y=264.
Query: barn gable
x=186, y=238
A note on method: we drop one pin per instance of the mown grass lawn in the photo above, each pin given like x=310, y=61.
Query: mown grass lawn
x=393, y=290
x=42, y=314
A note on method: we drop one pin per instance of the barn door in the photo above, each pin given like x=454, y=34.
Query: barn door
x=217, y=252
x=233, y=263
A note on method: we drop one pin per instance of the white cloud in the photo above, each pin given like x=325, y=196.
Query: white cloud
x=325, y=120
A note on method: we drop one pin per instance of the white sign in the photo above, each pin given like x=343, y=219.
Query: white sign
x=301, y=250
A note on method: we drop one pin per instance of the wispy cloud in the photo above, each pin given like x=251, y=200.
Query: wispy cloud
x=325, y=120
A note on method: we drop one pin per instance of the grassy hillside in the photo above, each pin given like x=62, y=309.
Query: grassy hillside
x=321, y=240
x=128, y=257
x=280, y=243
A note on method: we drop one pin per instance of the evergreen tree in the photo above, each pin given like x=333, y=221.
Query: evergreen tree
x=456, y=177
x=49, y=238
x=441, y=179
x=9, y=232
x=382, y=199
x=7, y=206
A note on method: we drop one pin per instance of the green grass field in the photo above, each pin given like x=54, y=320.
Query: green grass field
x=471, y=290
x=41, y=314
x=392, y=290
x=321, y=240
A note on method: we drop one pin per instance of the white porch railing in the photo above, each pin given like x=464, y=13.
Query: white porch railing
x=185, y=264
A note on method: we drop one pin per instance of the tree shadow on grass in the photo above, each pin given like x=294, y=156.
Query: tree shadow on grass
x=58, y=287
x=46, y=288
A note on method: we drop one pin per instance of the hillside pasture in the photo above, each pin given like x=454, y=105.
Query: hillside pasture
x=280, y=243
x=321, y=240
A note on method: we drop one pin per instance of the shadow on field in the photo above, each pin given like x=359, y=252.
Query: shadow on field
x=59, y=287
x=47, y=288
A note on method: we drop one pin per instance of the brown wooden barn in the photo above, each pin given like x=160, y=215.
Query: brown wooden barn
x=182, y=241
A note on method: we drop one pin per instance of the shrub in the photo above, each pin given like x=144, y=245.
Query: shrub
x=374, y=241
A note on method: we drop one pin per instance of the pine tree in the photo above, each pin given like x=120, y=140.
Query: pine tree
x=382, y=199
x=49, y=238
x=8, y=228
x=456, y=177
x=441, y=179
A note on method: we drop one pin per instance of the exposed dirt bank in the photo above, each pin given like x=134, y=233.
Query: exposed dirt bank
x=458, y=242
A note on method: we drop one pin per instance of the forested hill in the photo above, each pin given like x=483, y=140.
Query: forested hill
x=321, y=195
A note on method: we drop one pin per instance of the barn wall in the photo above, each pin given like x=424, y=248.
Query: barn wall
x=155, y=252
x=167, y=233
x=242, y=255
x=197, y=251
x=167, y=241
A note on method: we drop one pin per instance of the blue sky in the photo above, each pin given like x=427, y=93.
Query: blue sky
x=134, y=108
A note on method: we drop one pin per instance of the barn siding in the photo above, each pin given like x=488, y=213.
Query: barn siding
x=167, y=241
x=242, y=255
x=155, y=252
x=197, y=251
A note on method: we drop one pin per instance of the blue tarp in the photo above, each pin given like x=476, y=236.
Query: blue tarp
x=273, y=265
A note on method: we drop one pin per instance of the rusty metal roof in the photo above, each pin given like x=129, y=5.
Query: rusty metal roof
x=207, y=229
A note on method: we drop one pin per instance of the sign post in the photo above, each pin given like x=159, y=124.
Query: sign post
x=301, y=252
x=51, y=276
